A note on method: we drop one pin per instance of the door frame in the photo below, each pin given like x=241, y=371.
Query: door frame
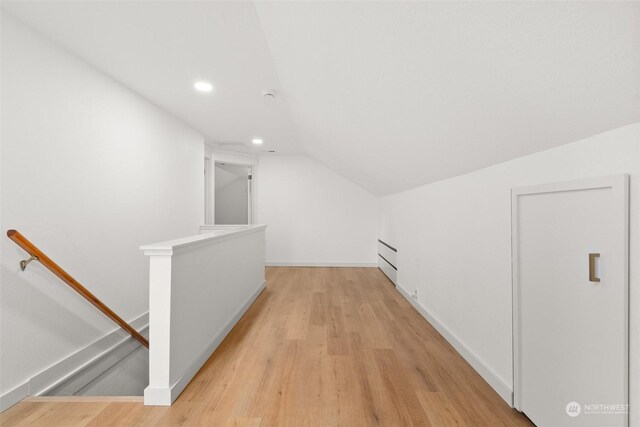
x=250, y=161
x=620, y=187
x=250, y=195
x=208, y=193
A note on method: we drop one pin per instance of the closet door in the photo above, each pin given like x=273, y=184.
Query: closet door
x=570, y=276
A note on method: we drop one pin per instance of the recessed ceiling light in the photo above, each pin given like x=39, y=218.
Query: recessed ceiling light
x=257, y=141
x=203, y=86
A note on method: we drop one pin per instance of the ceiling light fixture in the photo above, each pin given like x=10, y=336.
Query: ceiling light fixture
x=203, y=86
x=257, y=141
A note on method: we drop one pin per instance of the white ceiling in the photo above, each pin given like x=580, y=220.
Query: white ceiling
x=389, y=94
x=160, y=48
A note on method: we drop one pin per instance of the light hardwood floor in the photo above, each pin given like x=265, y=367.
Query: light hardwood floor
x=319, y=347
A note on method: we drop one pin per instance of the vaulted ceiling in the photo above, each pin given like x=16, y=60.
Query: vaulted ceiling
x=389, y=94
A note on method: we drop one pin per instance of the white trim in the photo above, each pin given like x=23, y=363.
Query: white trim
x=77, y=362
x=166, y=396
x=208, y=192
x=234, y=158
x=207, y=228
x=14, y=396
x=160, y=317
x=157, y=396
x=319, y=264
x=250, y=196
x=498, y=384
x=620, y=186
x=170, y=247
x=82, y=399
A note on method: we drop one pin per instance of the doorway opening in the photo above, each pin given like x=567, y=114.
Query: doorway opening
x=232, y=195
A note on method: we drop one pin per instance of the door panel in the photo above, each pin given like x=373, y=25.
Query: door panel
x=570, y=333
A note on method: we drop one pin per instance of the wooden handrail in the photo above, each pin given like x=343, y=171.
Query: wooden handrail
x=32, y=250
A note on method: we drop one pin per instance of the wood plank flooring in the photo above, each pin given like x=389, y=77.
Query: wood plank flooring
x=319, y=347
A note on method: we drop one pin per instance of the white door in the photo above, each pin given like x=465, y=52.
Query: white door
x=570, y=300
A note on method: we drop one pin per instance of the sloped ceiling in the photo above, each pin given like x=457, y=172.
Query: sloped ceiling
x=160, y=48
x=389, y=94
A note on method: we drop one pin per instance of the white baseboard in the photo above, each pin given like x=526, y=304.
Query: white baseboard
x=79, y=361
x=500, y=386
x=158, y=396
x=320, y=264
x=10, y=398
x=166, y=396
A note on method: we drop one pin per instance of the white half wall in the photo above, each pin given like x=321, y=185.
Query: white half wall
x=200, y=286
x=315, y=216
x=90, y=171
x=454, y=243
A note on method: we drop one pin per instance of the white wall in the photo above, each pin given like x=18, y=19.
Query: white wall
x=454, y=242
x=315, y=216
x=90, y=171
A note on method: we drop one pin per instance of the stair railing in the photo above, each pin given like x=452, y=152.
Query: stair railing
x=37, y=255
